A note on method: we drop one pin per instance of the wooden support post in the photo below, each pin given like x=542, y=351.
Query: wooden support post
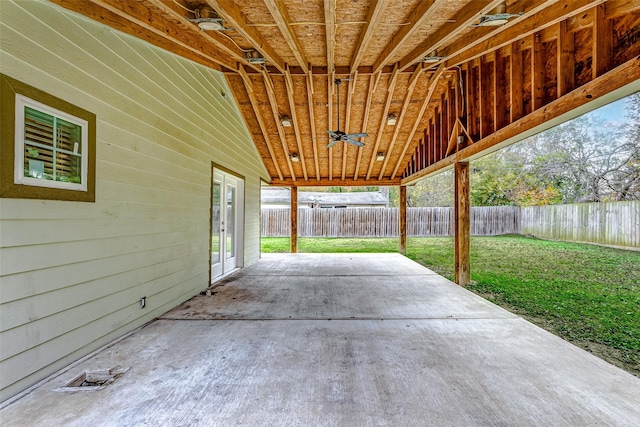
x=294, y=220
x=462, y=222
x=402, y=226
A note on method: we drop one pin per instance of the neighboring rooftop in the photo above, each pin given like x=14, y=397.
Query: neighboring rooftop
x=281, y=197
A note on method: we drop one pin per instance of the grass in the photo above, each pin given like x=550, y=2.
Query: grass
x=586, y=294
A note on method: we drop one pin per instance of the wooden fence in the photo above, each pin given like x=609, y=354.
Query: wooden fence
x=383, y=222
x=615, y=223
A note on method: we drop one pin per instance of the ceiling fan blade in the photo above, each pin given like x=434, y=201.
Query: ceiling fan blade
x=332, y=143
x=354, y=142
x=356, y=135
x=333, y=134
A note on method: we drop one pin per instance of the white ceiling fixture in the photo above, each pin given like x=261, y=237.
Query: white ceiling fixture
x=207, y=19
x=432, y=58
x=286, y=121
x=255, y=57
x=497, y=18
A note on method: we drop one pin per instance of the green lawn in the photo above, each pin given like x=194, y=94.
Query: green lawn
x=587, y=294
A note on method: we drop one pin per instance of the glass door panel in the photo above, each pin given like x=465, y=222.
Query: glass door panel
x=226, y=222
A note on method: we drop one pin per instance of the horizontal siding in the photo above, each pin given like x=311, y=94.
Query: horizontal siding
x=72, y=273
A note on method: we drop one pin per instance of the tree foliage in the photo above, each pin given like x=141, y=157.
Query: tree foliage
x=584, y=160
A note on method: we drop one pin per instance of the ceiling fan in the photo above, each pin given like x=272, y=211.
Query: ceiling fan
x=338, y=135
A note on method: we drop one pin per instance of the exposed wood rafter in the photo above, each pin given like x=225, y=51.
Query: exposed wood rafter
x=232, y=13
x=392, y=84
x=421, y=14
x=345, y=146
x=294, y=121
x=330, y=29
x=314, y=139
x=276, y=116
x=365, y=121
x=433, y=81
x=263, y=127
x=279, y=12
x=373, y=19
x=462, y=20
x=401, y=116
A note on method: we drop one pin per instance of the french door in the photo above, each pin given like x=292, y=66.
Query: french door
x=227, y=213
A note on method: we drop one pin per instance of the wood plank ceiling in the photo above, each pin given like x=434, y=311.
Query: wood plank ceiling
x=491, y=82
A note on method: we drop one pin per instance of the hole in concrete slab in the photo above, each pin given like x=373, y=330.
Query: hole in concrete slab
x=93, y=380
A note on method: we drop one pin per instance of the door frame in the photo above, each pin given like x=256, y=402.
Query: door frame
x=239, y=219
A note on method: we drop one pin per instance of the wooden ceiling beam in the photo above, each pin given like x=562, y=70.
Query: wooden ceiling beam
x=280, y=14
x=424, y=11
x=245, y=78
x=401, y=116
x=157, y=30
x=263, y=128
x=345, y=146
x=367, y=109
x=276, y=117
x=294, y=122
x=313, y=122
x=330, y=30
x=448, y=31
x=383, y=120
x=373, y=19
x=333, y=183
x=232, y=13
x=433, y=82
x=470, y=47
x=615, y=8
x=339, y=70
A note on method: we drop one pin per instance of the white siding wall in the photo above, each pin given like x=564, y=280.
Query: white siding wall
x=72, y=273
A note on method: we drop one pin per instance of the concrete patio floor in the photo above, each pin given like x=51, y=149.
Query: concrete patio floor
x=339, y=340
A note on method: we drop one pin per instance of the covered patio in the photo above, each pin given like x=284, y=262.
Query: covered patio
x=337, y=340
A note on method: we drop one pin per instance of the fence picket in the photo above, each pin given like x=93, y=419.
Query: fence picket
x=613, y=223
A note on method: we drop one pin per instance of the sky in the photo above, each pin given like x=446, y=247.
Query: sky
x=613, y=112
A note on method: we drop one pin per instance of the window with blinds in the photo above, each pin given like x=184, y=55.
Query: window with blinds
x=50, y=146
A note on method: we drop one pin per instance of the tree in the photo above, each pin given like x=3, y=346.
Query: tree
x=590, y=160
x=586, y=159
x=436, y=191
x=625, y=181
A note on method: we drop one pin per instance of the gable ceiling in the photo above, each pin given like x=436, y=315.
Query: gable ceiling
x=371, y=53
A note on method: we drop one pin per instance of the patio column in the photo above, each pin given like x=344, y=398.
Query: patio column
x=462, y=224
x=402, y=226
x=294, y=220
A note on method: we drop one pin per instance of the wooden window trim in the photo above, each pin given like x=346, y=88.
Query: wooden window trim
x=9, y=88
